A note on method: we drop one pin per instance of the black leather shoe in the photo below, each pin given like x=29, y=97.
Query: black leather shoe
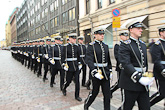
x=64, y=92
x=85, y=107
x=78, y=99
x=51, y=85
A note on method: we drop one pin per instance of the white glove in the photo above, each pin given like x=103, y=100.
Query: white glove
x=163, y=72
x=146, y=81
x=98, y=76
x=32, y=56
x=65, y=68
x=52, y=61
x=38, y=59
x=80, y=66
x=46, y=56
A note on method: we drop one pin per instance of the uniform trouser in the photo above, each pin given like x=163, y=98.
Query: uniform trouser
x=25, y=57
x=69, y=77
x=116, y=85
x=46, y=65
x=32, y=64
x=142, y=98
x=105, y=86
x=83, y=74
x=89, y=80
x=54, y=72
x=35, y=65
x=155, y=98
x=39, y=67
x=22, y=59
x=29, y=61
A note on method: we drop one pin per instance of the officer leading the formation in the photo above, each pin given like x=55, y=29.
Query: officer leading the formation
x=158, y=58
x=98, y=60
x=133, y=57
x=123, y=37
x=72, y=65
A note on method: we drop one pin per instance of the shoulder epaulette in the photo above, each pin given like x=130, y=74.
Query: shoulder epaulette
x=91, y=43
x=142, y=41
x=127, y=41
x=157, y=42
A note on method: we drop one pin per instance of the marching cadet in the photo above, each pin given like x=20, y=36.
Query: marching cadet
x=40, y=56
x=36, y=56
x=55, y=58
x=158, y=58
x=71, y=65
x=133, y=78
x=45, y=58
x=123, y=37
x=29, y=49
x=98, y=60
x=82, y=58
x=32, y=55
x=25, y=52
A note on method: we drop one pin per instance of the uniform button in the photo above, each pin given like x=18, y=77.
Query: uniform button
x=134, y=77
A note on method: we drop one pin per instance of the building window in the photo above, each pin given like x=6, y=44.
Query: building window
x=52, y=23
x=111, y=1
x=99, y=4
x=43, y=14
x=87, y=6
x=65, y=17
x=46, y=11
x=56, y=21
x=72, y=14
x=56, y=5
x=52, y=7
x=64, y=2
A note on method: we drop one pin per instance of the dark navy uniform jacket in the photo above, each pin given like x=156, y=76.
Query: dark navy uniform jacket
x=71, y=56
x=103, y=58
x=56, y=53
x=129, y=62
x=158, y=58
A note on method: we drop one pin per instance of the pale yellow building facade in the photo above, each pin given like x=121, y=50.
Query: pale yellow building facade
x=8, y=34
x=152, y=12
x=2, y=43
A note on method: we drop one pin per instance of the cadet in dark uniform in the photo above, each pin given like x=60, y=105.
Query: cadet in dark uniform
x=40, y=56
x=158, y=58
x=36, y=55
x=32, y=55
x=55, y=58
x=123, y=36
x=45, y=57
x=29, y=53
x=82, y=58
x=98, y=60
x=71, y=66
x=133, y=57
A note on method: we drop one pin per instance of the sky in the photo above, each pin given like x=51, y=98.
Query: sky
x=6, y=9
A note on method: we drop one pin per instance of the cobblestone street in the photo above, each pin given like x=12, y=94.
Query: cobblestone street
x=21, y=89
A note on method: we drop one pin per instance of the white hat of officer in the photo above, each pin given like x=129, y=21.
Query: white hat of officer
x=125, y=33
x=133, y=24
x=161, y=28
x=57, y=37
x=98, y=30
x=80, y=37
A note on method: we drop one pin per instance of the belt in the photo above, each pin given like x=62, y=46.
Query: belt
x=82, y=56
x=57, y=58
x=140, y=69
x=162, y=62
x=101, y=64
x=40, y=54
x=71, y=59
